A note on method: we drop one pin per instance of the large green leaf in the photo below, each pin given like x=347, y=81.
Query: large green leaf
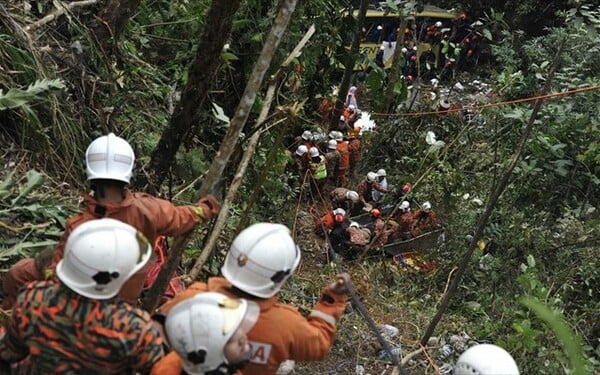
x=16, y=97
x=34, y=179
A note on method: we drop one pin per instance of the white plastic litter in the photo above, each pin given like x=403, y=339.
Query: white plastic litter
x=286, y=367
x=365, y=123
x=458, y=86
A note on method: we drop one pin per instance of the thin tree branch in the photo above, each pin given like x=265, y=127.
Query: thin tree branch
x=491, y=203
x=243, y=166
x=64, y=8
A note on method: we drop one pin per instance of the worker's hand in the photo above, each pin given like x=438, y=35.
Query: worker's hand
x=340, y=286
x=210, y=206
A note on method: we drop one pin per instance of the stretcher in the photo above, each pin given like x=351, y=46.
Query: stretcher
x=422, y=242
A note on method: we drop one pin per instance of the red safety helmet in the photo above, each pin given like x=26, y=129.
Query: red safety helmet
x=406, y=188
x=339, y=218
x=375, y=212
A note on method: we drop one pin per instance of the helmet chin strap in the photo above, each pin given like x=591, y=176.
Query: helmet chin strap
x=226, y=369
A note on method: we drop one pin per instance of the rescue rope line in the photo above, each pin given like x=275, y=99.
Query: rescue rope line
x=484, y=106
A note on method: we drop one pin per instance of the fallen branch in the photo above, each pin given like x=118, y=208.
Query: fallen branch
x=58, y=12
x=250, y=148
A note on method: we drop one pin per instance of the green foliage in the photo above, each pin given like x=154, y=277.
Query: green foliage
x=15, y=98
x=35, y=220
x=571, y=342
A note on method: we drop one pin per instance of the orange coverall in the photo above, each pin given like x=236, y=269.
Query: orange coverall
x=342, y=147
x=171, y=365
x=150, y=215
x=281, y=332
x=424, y=222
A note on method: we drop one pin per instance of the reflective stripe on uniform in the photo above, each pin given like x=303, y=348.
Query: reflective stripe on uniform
x=323, y=316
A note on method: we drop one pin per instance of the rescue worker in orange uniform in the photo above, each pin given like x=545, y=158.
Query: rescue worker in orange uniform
x=342, y=147
x=261, y=258
x=208, y=335
x=73, y=324
x=109, y=167
x=405, y=223
x=344, y=198
x=332, y=162
x=329, y=219
x=355, y=150
x=424, y=220
x=367, y=186
x=377, y=227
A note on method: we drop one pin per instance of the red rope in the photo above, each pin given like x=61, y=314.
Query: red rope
x=484, y=106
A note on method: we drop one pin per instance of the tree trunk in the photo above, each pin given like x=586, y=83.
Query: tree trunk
x=112, y=21
x=214, y=35
x=227, y=146
x=394, y=73
x=349, y=69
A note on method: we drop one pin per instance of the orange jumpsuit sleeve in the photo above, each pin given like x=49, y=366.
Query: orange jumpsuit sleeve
x=313, y=337
x=168, y=219
x=168, y=365
x=18, y=275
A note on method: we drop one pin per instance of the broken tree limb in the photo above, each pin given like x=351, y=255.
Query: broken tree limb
x=491, y=203
x=227, y=145
x=243, y=166
x=59, y=11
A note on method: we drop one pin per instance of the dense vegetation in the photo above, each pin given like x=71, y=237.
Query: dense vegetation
x=63, y=82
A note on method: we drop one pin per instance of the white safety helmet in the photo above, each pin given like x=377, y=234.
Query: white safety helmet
x=354, y=224
x=100, y=256
x=339, y=211
x=403, y=50
x=381, y=173
x=307, y=135
x=427, y=206
x=301, y=150
x=199, y=328
x=109, y=157
x=438, y=24
x=352, y=195
x=314, y=152
x=486, y=359
x=371, y=176
x=339, y=136
x=404, y=206
x=332, y=144
x=261, y=258
x=332, y=134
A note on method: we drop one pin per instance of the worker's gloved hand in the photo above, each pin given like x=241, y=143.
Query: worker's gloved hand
x=210, y=206
x=340, y=286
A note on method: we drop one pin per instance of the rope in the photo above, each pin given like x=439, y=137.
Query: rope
x=358, y=304
x=484, y=106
